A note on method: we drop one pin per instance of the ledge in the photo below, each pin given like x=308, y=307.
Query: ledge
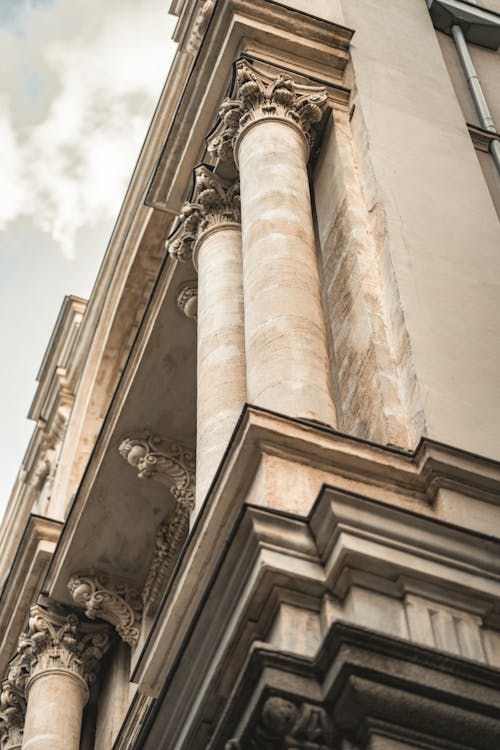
x=244, y=550
x=480, y=26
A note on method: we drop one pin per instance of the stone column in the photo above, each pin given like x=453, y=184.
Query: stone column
x=62, y=656
x=214, y=240
x=270, y=124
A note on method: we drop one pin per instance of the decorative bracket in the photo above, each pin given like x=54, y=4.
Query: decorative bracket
x=173, y=465
x=110, y=599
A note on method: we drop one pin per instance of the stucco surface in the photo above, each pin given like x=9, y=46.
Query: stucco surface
x=442, y=229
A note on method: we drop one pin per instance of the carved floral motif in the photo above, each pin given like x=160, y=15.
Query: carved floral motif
x=170, y=463
x=173, y=465
x=258, y=97
x=110, y=599
x=214, y=201
x=284, y=725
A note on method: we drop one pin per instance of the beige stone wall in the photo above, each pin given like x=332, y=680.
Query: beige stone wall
x=442, y=229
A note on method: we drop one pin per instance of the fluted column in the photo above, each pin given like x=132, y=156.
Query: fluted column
x=213, y=237
x=62, y=657
x=270, y=123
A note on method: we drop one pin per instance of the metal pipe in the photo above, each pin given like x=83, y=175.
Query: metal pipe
x=476, y=91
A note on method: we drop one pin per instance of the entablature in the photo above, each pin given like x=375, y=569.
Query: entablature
x=256, y=574
x=280, y=466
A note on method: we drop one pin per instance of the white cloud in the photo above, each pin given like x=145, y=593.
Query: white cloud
x=103, y=68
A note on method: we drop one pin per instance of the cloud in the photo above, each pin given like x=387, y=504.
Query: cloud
x=96, y=71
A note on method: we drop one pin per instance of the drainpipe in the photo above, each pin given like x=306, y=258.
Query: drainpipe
x=476, y=91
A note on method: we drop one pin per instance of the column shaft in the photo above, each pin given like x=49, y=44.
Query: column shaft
x=288, y=367
x=56, y=698
x=221, y=390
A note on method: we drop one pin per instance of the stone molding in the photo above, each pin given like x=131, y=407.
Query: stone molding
x=255, y=97
x=214, y=202
x=369, y=682
x=110, y=599
x=173, y=465
x=13, y=705
x=285, y=724
x=187, y=300
x=56, y=640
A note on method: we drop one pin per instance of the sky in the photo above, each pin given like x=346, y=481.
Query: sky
x=79, y=80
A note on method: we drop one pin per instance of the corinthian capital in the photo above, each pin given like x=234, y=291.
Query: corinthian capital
x=214, y=201
x=258, y=96
x=110, y=599
x=13, y=705
x=57, y=640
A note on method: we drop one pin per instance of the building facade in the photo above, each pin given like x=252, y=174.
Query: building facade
x=261, y=505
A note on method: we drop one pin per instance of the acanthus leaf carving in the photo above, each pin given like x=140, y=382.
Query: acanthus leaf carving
x=286, y=725
x=173, y=465
x=13, y=704
x=55, y=639
x=110, y=599
x=257, y=96
x=214, y=201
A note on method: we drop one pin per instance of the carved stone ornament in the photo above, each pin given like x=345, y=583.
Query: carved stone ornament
x=200, y=26
x=173, y=465
x=214, y=201
x=257, y=97
x=187, y=300
x=57, y=640
x=13, y=704
x=285, y=725
x=167, y=462
x=110, y=599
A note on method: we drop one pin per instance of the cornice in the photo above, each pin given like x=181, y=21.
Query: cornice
x=367, y=681
x=110, y=437
x=482, y=138
x=394, y=484
x=281, y=557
